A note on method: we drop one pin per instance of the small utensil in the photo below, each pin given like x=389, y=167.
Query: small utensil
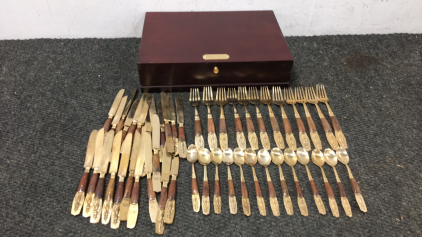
x=302, y=98
x=251, y=159
x=239, y=159
x=221, y=100
x=228, y=160
x=303, y=137
x=205, y=158
x=264, y=159
x=277, y=158
x=266, y=99
x=291, y=160
x=208, y=100
x=195, y=101
x=253, y=98
x=279, y=100
x=243, y=99
x=240, y=137
x=217, y=158
x=192, y=156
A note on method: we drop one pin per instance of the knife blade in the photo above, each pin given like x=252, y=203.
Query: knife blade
x=173, y=121
x=137, y=114
x=152, y=107
x=129, y=103
x=153, y=205
x=181, y=148
x=113, y=109
x=144, y=112
x=119, y=112
x=171, y=201
x=129, y=118
x=165, y=176
x=156, y=177
x=166, y=116
x=78, y=200
x=162, y=133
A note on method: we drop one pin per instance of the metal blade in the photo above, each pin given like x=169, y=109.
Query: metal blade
x=140, y=160
x=145, y=108
x=90, y=149
x=132, y=111
x=152, y=108
x=166, y=165
x=134, y=152
x=165, y=106
x=155, y=122
x=116, y=102
x=146, y=141
x=124, y=161
x=175, y=166
x=108, y=144
x=129, y=103
x=160, y=112
x=171, y=106
x=139, y=108
x=98, y=155
x=179, y=109
x=119, y=112
x=115, y=153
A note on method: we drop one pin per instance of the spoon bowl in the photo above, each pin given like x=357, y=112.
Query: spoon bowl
x=264, y=157
x=192, y=154
x=228, y=156
x=290, y=157
x=330, y=157
x=318, y=157
x=216, y=156
x=277, y=156
x=302, y=156
x=250, y=157
x=204, y=156
x=239, y=157
x=342, y=155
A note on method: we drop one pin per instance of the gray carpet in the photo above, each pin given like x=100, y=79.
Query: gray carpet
x=55, y=92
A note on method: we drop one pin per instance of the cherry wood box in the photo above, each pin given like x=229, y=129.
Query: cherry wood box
x=181, y=50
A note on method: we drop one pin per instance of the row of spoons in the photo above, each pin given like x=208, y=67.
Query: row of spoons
x=240, y=157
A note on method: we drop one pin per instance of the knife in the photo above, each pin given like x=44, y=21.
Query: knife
x=113, y=109
x=126, y=110
x=173, y=119
x=129, y=118
x=144, y=112
x=165, y=178
x=99, y=189
x=146, y=141
x=162, y=133
x=132, y=127
x=78, y=200
x=98, y=155
x=182, y=149
x=156, y=176
x=166, y=116
x=114, y=164
x=124, y=161
x=171, y=201
x=118, y=115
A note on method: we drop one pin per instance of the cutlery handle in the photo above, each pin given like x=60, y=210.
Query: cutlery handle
x=358, y=194
x=325, y=125
x=151, y=193
x=211, y=126
x=261, y=125
x=132, y=129
x=159, y=221
x=124, y=134
x=135, y=193
x=84, y=181
x=195, y=191
x=169, y=138
x=238, y=124
x=120, y=125
x=156, y=175
x=249, y=124
x=110, y=188
x=117, y=214
x=78, y=200
x=300, y=125
x=287, y=127
x=99, y=189
x=205, y=194
x=107, y=124
x=93, y=182
x=174, y=131
x=245, y=196
x=163, y=197
x=118, y=197
x=108, y=200
x=198, y=128
x=182, y=135
x=129, y=186
x=311, y=124
x=163, y=137
x=172, y=190
x=223, y=126
x=171, y=202
x=217, y=193
x=126, y=196
x=274, y=124
x=335, y=123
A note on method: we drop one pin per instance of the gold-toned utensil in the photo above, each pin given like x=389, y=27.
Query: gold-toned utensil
x=228, y=160
x=318, y=159
x=217, y=158
x=205, y=158
x=233, y=100
x=208, y=100
x=181, y=146
x=303, y=137
x=253, y=98
x=264, y=159
x=331, y=159
x=303, y=158
x=195, y=101
x=113, y=110
x=243, y=99
x=322, y=97
x=343, y=157
x=277, y=158
x=279, y=100
x=165, y=105
x=221, y=100
x=165, y=178
x=239, y=159
x=266, y=99
x=291, y=160
x=171, y=201
x=126, y=110
x=192, y=157
x=251, y=159
x=302, y=98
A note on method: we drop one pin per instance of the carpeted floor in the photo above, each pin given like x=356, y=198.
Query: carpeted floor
x=55, y=92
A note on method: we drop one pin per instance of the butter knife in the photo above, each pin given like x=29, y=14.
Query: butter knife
x=113, y=109
x=162, y=133
x=119, y=112
x=129, y=118
x=144, y=112
x=173, y=120
x=137, y=114
x=153, y=205
x=181, y=146
x=126, y=110
x=156, y=176
x=171, y=198
x=165, y=178
x=78, y=200
x=166, y=115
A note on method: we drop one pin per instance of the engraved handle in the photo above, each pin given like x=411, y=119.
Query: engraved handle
x=159, y=222
x=223, y=127
x=205, y=194
x=358, y=195
x=107, y=124
x=171, y=203
x=172, y=190
x=271, y=189
x=300, y=125
x=78, y=200
x=83, y=182
x=335, y=123
x=163, y=197
x=120, y=125
x=108, y=201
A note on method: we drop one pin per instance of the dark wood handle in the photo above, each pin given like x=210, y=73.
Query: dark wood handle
x=314, y=188
x=311, y=124
x=93, y=183
x=198, y=128
x=249, y=125
x=151, y=193
x=99, y=189
x=163, y=198
x=274, y=124
x=355, y=186
x=119, y=192
x=167, y=129
x=195, y=188
x=258, y=190
x=205, y=189
x=156, y=163
x=128, y=187
x=244, y=190
x=231, y=188
x=172, y=190
x=83, y=182
x=132, y=129
x=124, y=134
x=211, y=126
x=284, y=189
x=135, y=193
x=300, y=125
x=271, y=189
x=223, y=127
x=335, y=123
x=287, y=127
x=120, y=125
x=329, y=190
x=107, y=124
x=238, y=124
x=162, y=138
x=341, y=189
x=110, y=189
x=325, y=125
x=174, y=131
x=182, y=135
x=298, y=189
x=261, y=125
x=217, y=190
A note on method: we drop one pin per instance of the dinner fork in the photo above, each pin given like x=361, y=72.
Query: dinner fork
x=322, y=97
x=253, y=98
x=221, y=100
x=233, y=100
x=208, y=100
x=195, y=101
x=301, y=98
x=266, y=99
x=243, y=99
x=303, y=137
x=327, y=129
x=279, y=100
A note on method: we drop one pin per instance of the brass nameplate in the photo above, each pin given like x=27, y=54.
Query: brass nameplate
x=216, y=56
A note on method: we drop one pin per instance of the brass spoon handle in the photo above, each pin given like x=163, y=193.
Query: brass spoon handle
x=205, y=194
x=232, y=193
x=273, y=195
x=245, y=197
x=330, y=194
x=259, y=197
x=286, y=196
x=217, y=192
x=356, y=191
x=315, y=192
x=300, y=198
x=344, y=200
x=195, y=191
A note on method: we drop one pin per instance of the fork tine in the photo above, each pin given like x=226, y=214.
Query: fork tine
x=224, y=94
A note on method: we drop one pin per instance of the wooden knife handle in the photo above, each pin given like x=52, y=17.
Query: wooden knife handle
x=205, y=189
x=238, y=124
x=107, y=124
x=172, y=190
x=249, y=125
x=198, y=128
x=300, y=125
x=162, y=138
x=314, y=188
x=135, y=193
x=258, y=190
x=132, y=129
x=119, y=192
x=83, y=182
x=167, y=130
x=232, y=192
x=271, y=189
x=163, y=197
x=299, y=192
x=99, y=189
x=244, y=189
x=223, y=127
x=120, y=125
x=211, y=126
x=151, y=193
x=284, y=189
x=195, y=189
x=156, y=163
x=93, y=183
x=124, y=134
x=274, y=124
x=335, y=123
x=261, y=125
x=311, y=124
x=174, y=131
x=182, y=135
x=128, y=187
x=325, y=125
x=110, y=189
x=287, y=127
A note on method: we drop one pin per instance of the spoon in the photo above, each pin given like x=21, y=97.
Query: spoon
x=264, y=159
x=343, y=157
x=228, y=160
x=251, y=159
x=205, y=158
x=239, y=159
x=217, y=158
x=192, y=156
x=303, y=158
x=331, y=159
x=291, y=160
x=318, y=159
x=277, y=158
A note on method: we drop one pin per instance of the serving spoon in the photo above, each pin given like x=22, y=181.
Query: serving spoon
x=217, y=158
x=251, y=159
x=228, y=160
x=239, y=159
x=205, y=158
x=291, y=160
x=277, y=158
x=264, y=159
x=192, y=157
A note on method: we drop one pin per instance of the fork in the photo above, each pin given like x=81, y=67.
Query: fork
x=221, y=100
x=278, y=100
x=240, y=137
x=302, y=98
x=195, y=101
x=243, y=99
x=311, y=98
x=208, y=100
x=322, y=97
x=266, y=99
x=253, y=98
x=303, y=137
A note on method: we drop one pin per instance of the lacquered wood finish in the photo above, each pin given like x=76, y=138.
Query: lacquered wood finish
x=172, y=190
x=211, y=126
x=93, y=183
x=314, y=188
x=107, y=125
x=129, y=186
x=132, y=129
x=156, y=163
x=287, y=127
x=231, y=188
x=174, y=131
x=182, y=135
x=110, y=189
x=274, y=124
x=335, y=123
x=300, y=125
x=258, y=190
x=217, y=190
x=249, y=125
x=261, y=125
x=151, y=193
x=244, y=190
x=325, y=125
x=167, y=130
x=355, y=186
x=329, y=190
x=284, y=189
x=163, y=138
x=238, y=124
x=135, y=193
x=271, y=189
x=311, y=124
x=195, y=188
x=205, y=189
x=83, y=182
x=223, y=127
x=198, y=128
x=299, y=192
x=163, y=198
x=118, y=197
x=124, y=134
x=341, y=190
x=120, y=125
x=99, y=189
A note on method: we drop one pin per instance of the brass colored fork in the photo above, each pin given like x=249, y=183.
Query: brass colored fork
x=243, y=99
x=253, y=98
x=303, y=137
x=322, y=97
x=195, y=101
x=221, y=100
x=311, y=98
x=240, y=137
x=208, y=100
x=266, y=99
x=279, y=100
x=301, y=98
